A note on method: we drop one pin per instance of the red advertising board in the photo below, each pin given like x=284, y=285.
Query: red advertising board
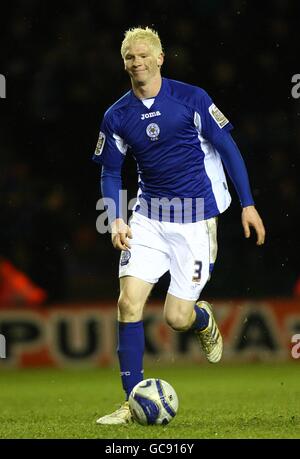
x=85, y=334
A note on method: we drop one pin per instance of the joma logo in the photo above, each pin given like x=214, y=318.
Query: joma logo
x=145, y=116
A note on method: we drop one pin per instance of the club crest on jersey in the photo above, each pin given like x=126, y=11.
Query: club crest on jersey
x=100, y=144
x=145, y=116
x=125, y=257
x=153, y=131
x=218, y=116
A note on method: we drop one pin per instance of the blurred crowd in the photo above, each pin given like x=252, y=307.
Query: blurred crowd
x=63, y=69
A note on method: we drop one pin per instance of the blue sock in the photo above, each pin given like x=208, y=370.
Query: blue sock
x=202, y=319
x=131, y=345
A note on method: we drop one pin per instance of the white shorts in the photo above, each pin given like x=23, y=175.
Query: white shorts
x=187, y=250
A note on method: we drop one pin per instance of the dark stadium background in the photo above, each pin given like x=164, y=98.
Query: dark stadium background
x=63, y=69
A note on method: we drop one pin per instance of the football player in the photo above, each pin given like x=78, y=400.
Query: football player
x=181, y=141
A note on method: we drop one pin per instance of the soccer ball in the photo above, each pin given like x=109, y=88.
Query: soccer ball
x=153, y=401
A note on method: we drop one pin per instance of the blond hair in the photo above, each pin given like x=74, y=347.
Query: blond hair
x=142, y=33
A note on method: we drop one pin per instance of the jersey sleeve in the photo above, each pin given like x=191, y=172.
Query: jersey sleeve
x=216, y=129
x=213, y=120
x=111, y=148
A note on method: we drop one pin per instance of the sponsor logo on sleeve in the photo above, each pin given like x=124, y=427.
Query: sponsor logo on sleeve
x=218, y=116
x=100, y=144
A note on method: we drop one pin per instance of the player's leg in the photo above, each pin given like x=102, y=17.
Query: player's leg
x=147, y=262
x=193, y=253
x=140, y=268
x=131, y=340
x=181, y=314
x=133, y=296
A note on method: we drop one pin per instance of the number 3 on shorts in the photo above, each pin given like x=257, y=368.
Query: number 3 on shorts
x=197, y=271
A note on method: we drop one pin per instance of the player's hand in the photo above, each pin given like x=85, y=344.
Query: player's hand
x=120, y=232
x=250, y=217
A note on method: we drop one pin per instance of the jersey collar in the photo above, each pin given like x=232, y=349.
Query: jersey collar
x=134, y=100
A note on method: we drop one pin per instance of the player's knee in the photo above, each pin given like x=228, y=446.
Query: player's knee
x=179, y=322
x=129, y=311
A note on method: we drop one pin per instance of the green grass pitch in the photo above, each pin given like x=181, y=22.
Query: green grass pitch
x=255, y=400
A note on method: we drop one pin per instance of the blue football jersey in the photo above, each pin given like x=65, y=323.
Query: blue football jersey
x=173, y=145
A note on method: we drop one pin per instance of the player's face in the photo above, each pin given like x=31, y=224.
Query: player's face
x=141, y=62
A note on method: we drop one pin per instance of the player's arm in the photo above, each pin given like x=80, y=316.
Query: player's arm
x=216, y=130
x=110, y=154
x=237, y=171
x=250, y=217
x=111, y=186
x=120, y=232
